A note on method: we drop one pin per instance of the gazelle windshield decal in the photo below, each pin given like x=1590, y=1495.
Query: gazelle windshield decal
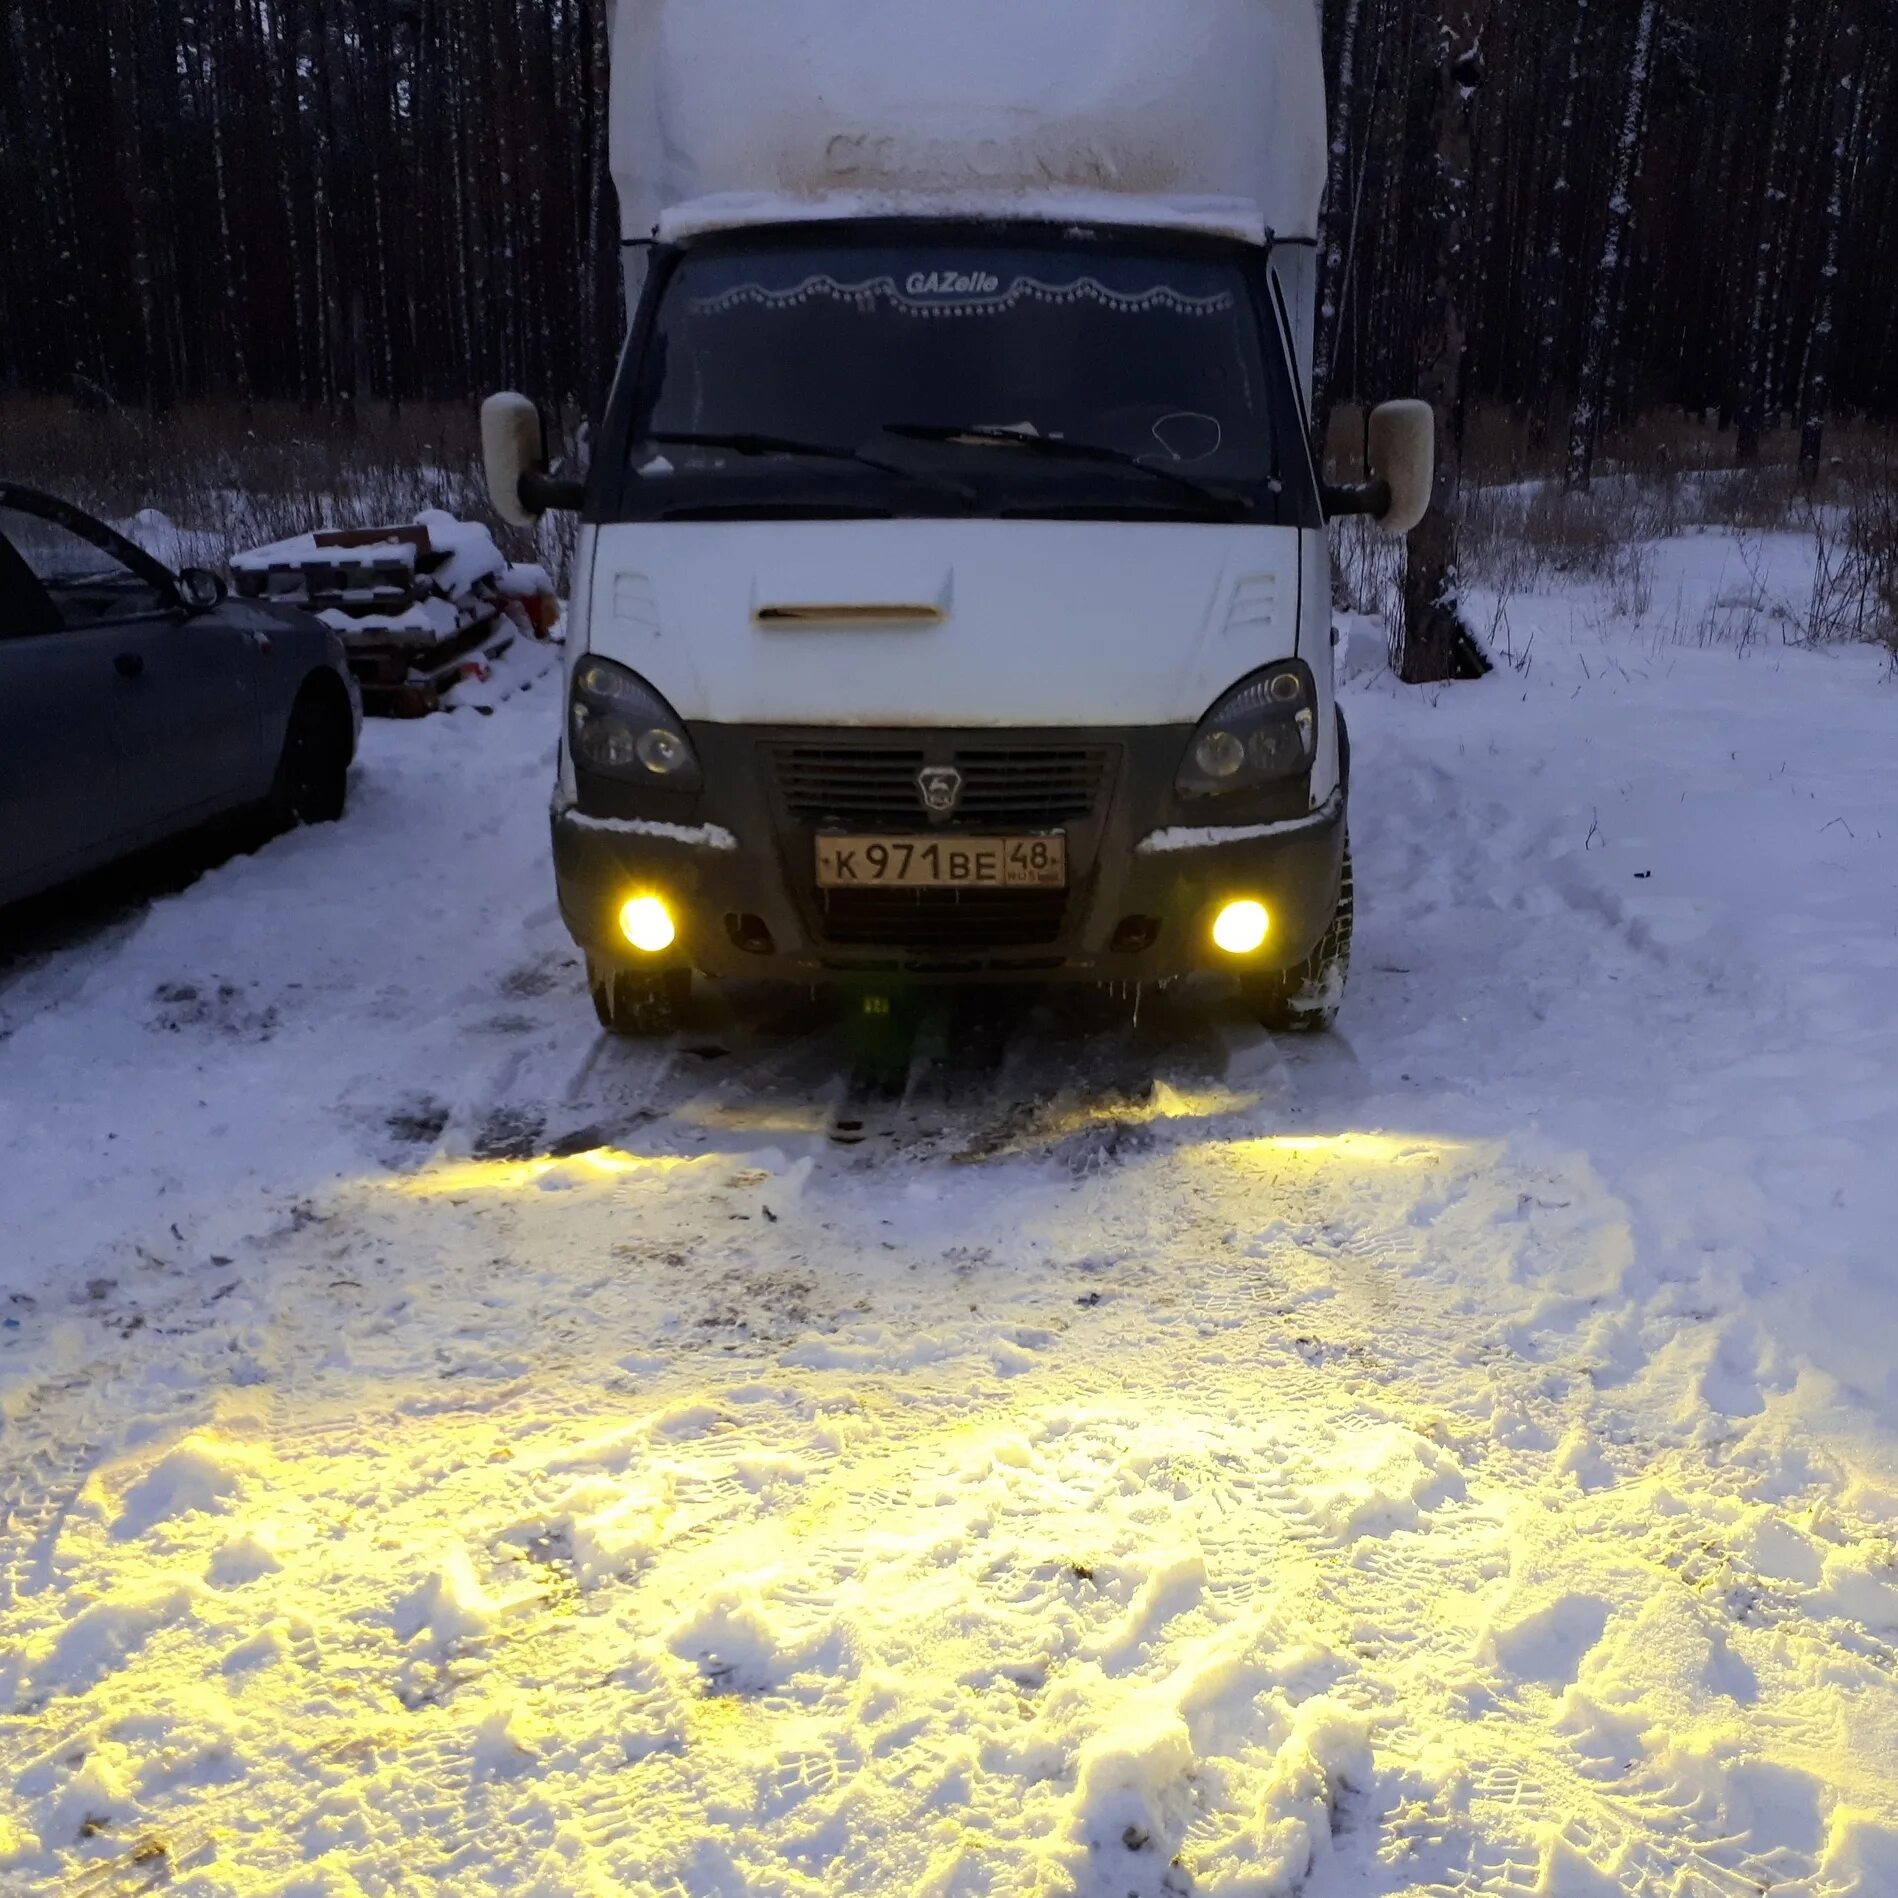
x=959, y=293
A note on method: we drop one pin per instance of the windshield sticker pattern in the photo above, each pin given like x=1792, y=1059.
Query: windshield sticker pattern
x=928, y=294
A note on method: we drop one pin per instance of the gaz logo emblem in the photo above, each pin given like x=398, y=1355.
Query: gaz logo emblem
x=941, y=786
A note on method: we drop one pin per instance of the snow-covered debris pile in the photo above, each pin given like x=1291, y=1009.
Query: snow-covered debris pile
x=419, y=607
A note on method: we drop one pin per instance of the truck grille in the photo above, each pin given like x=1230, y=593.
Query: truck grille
x=1027, y=787
x=944, y=921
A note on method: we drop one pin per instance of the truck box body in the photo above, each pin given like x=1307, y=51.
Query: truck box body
x=1182, y=103
x=953, y=600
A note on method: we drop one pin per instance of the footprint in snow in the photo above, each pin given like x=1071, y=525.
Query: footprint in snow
x=510, y=1133
x=222, y=1008
x=419, y=1121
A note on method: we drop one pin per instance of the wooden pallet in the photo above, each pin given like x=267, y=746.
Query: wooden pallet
x=396, y=683
x=365, y=582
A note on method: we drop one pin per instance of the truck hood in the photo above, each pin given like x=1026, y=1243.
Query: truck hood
x=944, y=623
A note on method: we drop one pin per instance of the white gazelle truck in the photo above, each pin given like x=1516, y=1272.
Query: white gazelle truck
x=952, y=601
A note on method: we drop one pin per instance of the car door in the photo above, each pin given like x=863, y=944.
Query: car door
x=59, y=792
x=175, y=691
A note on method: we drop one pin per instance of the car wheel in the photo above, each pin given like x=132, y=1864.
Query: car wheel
x=1305, y=1000
x=313, y=774
x=639, y=1004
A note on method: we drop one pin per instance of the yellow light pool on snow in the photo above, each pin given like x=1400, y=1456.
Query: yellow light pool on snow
x=456, y=1181
x=1242, y=928
x=647, y=924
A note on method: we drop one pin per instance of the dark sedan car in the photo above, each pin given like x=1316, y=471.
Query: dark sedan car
x=136, y=704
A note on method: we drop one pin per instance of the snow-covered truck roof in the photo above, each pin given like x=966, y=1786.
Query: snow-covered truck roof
x=1194, y=114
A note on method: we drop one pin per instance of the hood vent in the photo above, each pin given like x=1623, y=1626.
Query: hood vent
x=1255, y=605
x=857, y=613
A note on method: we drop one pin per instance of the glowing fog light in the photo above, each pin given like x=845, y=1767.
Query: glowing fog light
x=1241, y=928
x=647, y=924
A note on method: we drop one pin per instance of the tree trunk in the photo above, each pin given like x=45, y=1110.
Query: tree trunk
x=286, y=112
x=1436, y=644
x=608, y=316
x=1848, y=107
x=1553, y=271
x=411, y=197
x=1750, y=410
x=44, y=43
x=122, y=52
x=1331, y=266
x=1604, y=328
x=236, y=300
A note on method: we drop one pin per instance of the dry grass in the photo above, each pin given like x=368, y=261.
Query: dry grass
x=1499, y=448
x=1523, y=533
x=226, y=480
x=1855, y=586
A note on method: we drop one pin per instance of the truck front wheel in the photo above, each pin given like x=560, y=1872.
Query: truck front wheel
x=637, y=1003
x=1305, y=999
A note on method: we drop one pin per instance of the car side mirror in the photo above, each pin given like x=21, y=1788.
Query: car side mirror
x=201, y=591
x=1403, y=469
x=514, y=449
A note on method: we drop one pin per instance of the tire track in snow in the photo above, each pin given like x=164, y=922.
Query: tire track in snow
x=1305, y=1321
x=1282, y=1345
x=43, y=1480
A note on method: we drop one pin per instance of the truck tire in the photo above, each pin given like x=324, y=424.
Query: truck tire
x=639, y=1004
x=1305, y=1000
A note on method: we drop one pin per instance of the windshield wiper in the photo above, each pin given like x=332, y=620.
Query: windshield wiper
x=988, y=435
x=740, y=443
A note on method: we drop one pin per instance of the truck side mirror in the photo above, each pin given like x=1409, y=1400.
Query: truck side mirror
x=1403, y=453
x=514, y=448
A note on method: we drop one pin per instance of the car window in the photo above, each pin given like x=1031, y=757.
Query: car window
x=88, y=585
x=26, y=608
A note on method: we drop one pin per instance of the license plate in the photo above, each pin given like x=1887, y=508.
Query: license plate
x=942, y=863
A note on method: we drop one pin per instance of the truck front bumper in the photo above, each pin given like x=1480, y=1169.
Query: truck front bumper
x=1143, y=891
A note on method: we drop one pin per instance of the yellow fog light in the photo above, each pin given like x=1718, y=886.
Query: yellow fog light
x=647, y=924
x=1241, y=928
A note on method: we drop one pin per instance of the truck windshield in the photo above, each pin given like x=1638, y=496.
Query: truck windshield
x=946, y=378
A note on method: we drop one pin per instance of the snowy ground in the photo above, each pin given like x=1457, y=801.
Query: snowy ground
x=445, y=1452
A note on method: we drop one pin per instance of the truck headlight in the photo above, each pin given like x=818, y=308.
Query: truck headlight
x=619, y=726
x=1264, y=730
